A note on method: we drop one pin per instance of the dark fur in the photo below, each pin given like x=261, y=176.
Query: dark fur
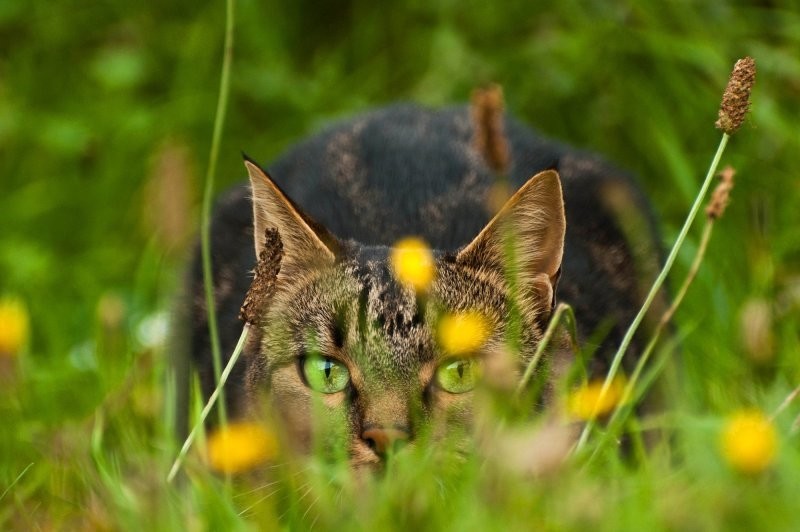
x=406, y=170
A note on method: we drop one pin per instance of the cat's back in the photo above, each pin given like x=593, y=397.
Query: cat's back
x=403, y=170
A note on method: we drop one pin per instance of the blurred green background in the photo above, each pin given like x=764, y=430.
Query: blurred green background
x=106, y=112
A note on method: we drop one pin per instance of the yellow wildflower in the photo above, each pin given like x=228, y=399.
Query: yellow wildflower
x=13, y=326
x=412, y=262
x=749, y=441
x=240, y=446
x=462, y=333
x=587, y=402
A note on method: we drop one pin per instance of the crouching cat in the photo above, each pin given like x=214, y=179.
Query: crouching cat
x=342, y=336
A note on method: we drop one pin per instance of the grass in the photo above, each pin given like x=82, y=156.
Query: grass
x=105, y=120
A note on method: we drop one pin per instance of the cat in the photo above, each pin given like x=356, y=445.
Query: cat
x=344, y=335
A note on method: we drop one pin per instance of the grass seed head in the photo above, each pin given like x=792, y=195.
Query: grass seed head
x=736, y=98
x=487, y=121
x=266, y=273
x=756, y=323
x=169, y=194
x=721, y=195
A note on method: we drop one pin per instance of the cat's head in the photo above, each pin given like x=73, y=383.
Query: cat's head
x=352, y=359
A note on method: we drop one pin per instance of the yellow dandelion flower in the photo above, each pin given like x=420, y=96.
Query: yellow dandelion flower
x=13, y=326
x=412, y=262
x=462, y=333
x=749, y=441
x=240, y=446
x=587, y=402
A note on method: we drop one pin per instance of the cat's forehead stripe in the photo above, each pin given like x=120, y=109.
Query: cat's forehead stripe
x=391, y=333
x=388, y=302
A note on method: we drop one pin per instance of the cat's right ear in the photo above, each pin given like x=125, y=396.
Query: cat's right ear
x=533, y=221
x=305, y=243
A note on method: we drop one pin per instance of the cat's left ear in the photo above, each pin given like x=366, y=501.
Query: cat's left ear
x=529, y=231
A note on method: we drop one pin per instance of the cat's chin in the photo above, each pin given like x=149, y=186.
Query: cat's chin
x=363, y=459
x=366, y=469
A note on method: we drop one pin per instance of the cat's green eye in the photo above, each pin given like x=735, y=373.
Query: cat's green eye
x=325, y=374
x=458, y=375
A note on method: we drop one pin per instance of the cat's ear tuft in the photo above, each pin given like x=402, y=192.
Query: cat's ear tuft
x=305, y=243
x=529, y=230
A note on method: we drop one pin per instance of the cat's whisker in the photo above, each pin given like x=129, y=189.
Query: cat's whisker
x=259, y=501
x=303, y=496
x=339, y=497
x=309, y=507
x=298, y=500
x=273, y=492
x=258, y=488
x=271, y=483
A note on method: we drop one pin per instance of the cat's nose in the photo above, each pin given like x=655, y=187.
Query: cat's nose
x=383, y=440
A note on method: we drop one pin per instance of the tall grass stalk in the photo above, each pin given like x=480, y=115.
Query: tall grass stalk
x=187, y=444
x=785, y=403
x=208, y=193
x=14, y=482
x=561, y=310
x=221, y=376
x=626, y=340
x=617, y=419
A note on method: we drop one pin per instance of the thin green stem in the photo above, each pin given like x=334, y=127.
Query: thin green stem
x=187, y=444
x=626, y=340
x=695, y=267
x=14, y=483
x=208, y=193
x=786, y=402
x=615, y=422
x=561, y=309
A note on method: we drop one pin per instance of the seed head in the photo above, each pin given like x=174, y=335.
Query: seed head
x=736, y=98
x=487, y=122
x=758, y=339
x=721, y=195
x=169, y=195
x=266, y=273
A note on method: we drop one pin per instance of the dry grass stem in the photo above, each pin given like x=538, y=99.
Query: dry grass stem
x=785, y=403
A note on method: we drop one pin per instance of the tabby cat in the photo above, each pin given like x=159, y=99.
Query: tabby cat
x=344, y=338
